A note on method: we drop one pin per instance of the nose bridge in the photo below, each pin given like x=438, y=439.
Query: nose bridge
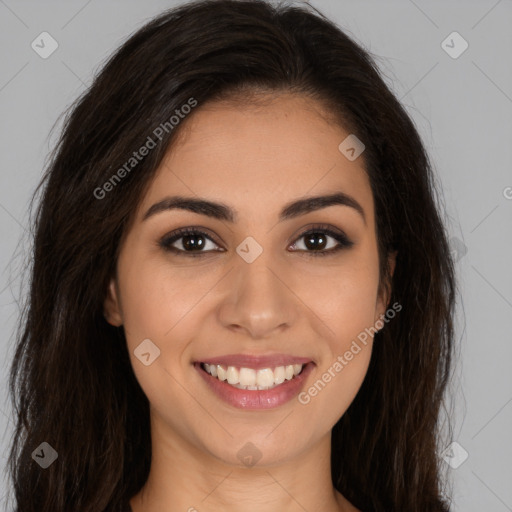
x=258, y=301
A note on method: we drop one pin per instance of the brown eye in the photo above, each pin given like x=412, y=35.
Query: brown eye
x=317, y=241
x=189, y=241
x=321, y=241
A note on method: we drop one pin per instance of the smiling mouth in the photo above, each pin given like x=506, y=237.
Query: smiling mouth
x=253, y=379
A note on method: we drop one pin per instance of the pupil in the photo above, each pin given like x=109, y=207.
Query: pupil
x=193, y=242
x=315, y=238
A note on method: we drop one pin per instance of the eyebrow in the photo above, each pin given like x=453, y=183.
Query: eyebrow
x=222, y=211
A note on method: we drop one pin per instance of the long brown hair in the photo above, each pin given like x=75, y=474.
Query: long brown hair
x=71, y=380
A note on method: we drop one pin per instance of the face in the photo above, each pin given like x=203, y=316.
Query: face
x=263, y=283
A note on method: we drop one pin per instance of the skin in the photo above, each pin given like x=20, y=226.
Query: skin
x=254, y=158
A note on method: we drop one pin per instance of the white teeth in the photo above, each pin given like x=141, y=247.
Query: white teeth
x=221, y=372
x=279, y=375
x=232, y=375
x=248, y=378
x=265, y=377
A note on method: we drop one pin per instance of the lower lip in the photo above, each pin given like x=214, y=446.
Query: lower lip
x=256, y=399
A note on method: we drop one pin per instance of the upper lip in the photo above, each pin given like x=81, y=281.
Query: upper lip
x=256, y=362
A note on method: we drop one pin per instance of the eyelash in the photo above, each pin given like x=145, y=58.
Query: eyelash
x=167, y=241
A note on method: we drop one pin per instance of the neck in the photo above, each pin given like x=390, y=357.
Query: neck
x=184, y=478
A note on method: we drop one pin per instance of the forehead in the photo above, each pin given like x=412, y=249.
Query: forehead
x=260, y=155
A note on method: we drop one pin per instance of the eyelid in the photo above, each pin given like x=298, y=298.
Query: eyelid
x=324, y=228
x=344, y=242
x=168, y=239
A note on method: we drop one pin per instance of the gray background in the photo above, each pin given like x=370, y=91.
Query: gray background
x=462, y=107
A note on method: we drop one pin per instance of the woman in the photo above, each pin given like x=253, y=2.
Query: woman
x=242, y=290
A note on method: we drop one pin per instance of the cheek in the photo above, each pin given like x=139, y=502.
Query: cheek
x=157, y=305
x=334, y=386
x=163, y=305
x=344, y=298
x=156, y=300
x=345, y=301
x=349, y=313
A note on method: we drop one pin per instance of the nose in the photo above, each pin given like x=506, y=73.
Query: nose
x=259, y=302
